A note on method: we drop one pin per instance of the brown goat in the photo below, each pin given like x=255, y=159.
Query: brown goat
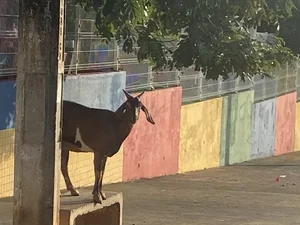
x=99, y=131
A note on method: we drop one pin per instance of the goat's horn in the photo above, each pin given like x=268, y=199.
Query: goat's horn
x=128, y=96
x=140, y=95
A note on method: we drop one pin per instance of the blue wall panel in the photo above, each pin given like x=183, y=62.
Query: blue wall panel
x=7, y=104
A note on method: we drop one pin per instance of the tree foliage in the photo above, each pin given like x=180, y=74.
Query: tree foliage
x=287, y=26
x=211, y=35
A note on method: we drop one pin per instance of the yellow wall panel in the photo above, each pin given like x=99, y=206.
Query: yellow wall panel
x=297, y=130
x=200, y=135
x=114, y=169
x=7, y=139
x=81, y=169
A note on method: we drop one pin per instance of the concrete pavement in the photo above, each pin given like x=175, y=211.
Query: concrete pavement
x=235, y=195
x=245, y=194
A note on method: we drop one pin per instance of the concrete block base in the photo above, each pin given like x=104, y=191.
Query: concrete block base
x=6, y=211
x=78, y=210
x=82, y=211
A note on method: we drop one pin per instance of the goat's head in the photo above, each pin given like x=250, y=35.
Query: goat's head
x=133, y=107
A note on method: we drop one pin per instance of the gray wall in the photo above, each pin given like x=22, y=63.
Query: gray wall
x=264, y=122
x=102, y=91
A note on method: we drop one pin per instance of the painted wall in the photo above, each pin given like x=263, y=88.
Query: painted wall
x=297, y=127
x=8, y=101
x=7, y=138
x=96, y=90
x=285, y=123
x=185, y=138
x=200, y=135
x=264, y=126
x=236, y=136
x=153, y=150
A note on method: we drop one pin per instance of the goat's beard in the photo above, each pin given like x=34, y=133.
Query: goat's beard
x=133, y=121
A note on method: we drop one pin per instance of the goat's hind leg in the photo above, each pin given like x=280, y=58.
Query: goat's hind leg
x=65, y=173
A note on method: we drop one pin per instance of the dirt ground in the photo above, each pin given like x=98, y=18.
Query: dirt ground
x=235, y=195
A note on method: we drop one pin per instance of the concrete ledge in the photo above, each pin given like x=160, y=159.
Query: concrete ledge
x=6, y=211
x=82, y=211
x=78, y=210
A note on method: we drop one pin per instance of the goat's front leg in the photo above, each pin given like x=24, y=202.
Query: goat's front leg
x=103, y=196
x=99, y=167
x=64, y=171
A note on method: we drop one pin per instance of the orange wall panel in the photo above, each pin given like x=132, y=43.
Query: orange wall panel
x=153, y=150
x=285, y=123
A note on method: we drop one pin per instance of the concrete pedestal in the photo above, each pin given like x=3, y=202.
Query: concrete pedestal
x=78, y=210
x=6, y=211
x=82, y=211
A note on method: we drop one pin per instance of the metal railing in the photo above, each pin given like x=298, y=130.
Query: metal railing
x=197, y=88
x=88, y=53
x=8, y=44
x=286, y=80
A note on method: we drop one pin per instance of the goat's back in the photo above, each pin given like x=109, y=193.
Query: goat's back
x=95, y=127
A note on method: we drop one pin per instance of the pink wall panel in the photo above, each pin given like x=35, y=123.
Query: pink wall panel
x=153, y=150
x=285, y=123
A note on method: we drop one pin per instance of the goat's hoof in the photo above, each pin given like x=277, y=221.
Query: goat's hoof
x=103, y=196
x=74, y=192
x=97, y=199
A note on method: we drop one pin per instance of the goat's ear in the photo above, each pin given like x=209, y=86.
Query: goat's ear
x=140, y=95
x=128, y=96
x=148, y=116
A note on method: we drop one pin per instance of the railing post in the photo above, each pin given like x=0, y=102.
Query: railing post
x=150, y=77
x=200, y=85
x=252, y=82
x=296, y=75
x=220, y=86
x=237, y=84
x=264, y=89
x=177, y=77
x=78, y=44
x=286, y=77
x=117, y=55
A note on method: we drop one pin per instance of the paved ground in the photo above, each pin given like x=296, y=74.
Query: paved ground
x=235, y=195
x=245, y=194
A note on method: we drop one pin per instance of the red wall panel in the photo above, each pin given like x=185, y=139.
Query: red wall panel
x=153, y=150
x=285, y=123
